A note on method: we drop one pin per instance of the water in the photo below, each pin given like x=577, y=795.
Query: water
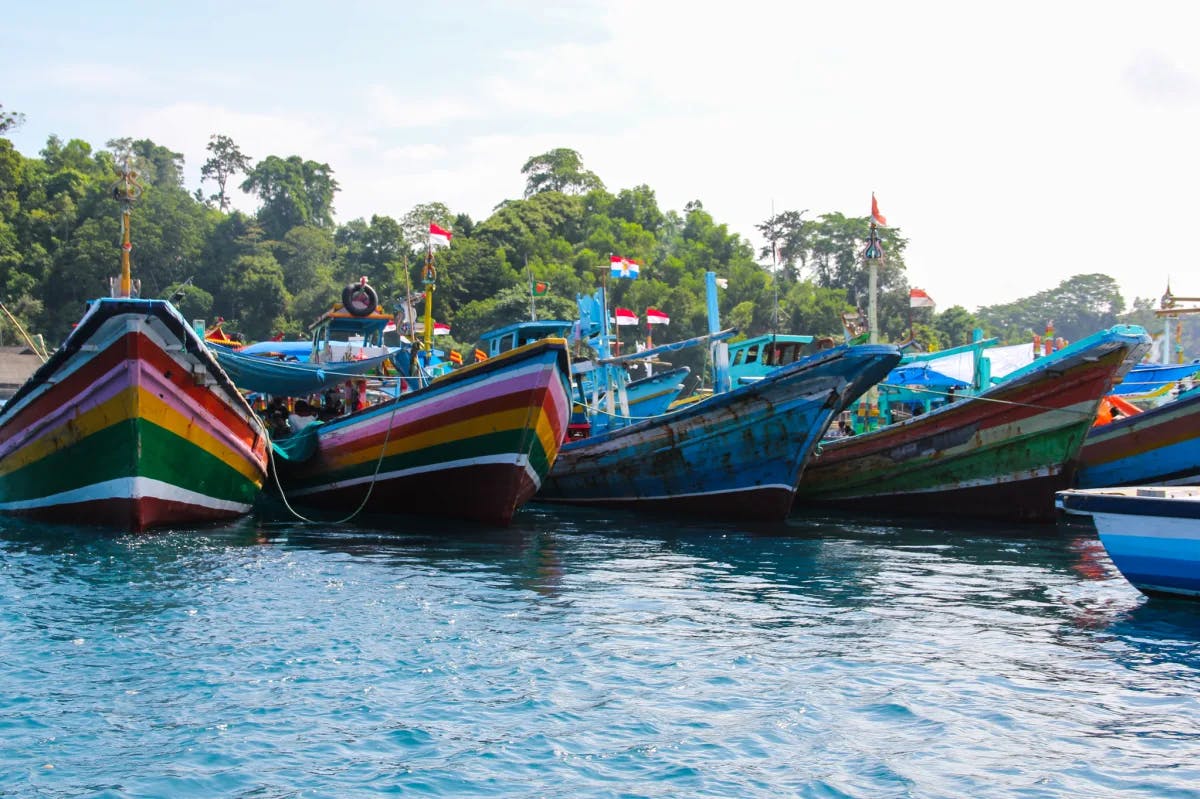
x=589, y=654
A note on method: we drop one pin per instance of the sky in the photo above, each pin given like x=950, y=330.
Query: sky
x=1013, y=144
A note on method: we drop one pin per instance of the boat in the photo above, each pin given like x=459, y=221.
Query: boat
x=1151, y=533
x=1001, y=454
x=345, y=342
x=131, y=423
x=736, y=454
x=469, y=443
x=474, y=443
x=1159, y=446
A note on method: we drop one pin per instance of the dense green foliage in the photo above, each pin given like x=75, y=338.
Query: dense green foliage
x=276, y=270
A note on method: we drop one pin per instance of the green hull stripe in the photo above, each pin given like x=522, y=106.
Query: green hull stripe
x=111, y=453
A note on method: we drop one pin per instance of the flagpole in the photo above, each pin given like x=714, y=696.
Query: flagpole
x=873, y=286
x=529, y=275
x=429, y=279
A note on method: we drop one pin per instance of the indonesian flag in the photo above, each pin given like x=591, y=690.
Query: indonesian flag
x=656, y=317
x=877, y=217
x=624, y=267
x=624, y=316
x=438, y=236
x=917, y=298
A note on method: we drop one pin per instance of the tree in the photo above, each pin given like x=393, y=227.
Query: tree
x=560, y=169
x=226, y=160
x=10, y=120
x=956, y=326
x=293, y=192
x=1079, y=306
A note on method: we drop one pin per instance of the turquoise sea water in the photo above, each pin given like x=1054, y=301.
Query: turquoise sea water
x=589, y=654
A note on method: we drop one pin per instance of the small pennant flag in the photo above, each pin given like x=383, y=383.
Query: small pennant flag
x=539, y=287
x=917, y=298
x=438, y=236
x=439, y=328
x=624, y=316
x=723, y=282
x=877, y=217
x=624, y=267
x=656, y=317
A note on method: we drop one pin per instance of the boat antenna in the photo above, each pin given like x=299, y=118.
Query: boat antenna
x=529, y=274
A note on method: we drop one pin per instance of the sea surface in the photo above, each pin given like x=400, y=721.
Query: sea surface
x=590, y=654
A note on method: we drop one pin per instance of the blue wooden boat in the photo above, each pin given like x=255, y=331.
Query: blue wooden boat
x=1160, y=446
x=737, y=454
x=344, y=345
x=1150, y=383
x=1152, y=534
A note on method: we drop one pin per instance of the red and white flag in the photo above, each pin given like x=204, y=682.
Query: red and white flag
x=438, y=236
x=624, y=316
x=656, y=317
x=917, y=298
x=877, y=217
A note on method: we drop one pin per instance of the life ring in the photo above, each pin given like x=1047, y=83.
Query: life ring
x=359, y=299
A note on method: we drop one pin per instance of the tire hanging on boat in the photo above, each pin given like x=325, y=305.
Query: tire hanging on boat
x=359, y=299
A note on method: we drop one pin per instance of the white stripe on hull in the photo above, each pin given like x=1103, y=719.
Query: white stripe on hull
x=127, y=488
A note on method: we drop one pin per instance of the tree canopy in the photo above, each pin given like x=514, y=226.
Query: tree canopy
x=276, y=269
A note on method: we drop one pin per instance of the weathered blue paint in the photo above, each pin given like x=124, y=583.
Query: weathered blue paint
x=739, y=454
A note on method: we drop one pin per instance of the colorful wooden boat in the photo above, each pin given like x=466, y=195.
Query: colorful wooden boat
x=1000, y=454
x=1160, y=446
x=475, y=443
x=736, y=454
x=1152, y=534
x=130, y=424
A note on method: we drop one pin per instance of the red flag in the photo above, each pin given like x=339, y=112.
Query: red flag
x=877, y=217
x=656, y=317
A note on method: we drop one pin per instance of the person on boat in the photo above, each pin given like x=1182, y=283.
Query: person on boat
x=302, y=416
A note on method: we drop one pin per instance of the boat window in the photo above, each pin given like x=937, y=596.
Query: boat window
x=752, y=354
x=506, y=342
x=738, y=356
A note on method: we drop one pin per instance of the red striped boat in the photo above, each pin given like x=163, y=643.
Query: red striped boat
x=130, y=424
x=474, y=444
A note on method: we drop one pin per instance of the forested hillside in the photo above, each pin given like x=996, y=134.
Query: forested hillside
x=274, y=271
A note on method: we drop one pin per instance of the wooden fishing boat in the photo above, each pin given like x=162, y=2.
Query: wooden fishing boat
x=131, y=423
x=1160, y=446
x=736, y=454
x=1000, y=454
x=474, y=443
x=1152, y=534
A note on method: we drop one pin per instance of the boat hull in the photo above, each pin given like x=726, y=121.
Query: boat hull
x=474, y=444
x=1000, y=455
x=131, y=424
x=1160, y=446
x=1151, y=534
x=735, y=455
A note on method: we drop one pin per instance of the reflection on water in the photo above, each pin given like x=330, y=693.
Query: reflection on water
x=590, y=653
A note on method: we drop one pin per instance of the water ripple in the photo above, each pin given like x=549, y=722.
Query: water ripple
x=590, y=655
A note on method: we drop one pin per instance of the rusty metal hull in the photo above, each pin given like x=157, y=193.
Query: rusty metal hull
x=734, y=455
x=999, y=455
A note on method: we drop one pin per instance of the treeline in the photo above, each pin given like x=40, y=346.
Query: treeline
x=274, y=271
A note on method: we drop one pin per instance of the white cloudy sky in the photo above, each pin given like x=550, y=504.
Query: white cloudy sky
x=1014, y=144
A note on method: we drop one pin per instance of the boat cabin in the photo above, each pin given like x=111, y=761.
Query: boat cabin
x=517, y=335
x=339, y=335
